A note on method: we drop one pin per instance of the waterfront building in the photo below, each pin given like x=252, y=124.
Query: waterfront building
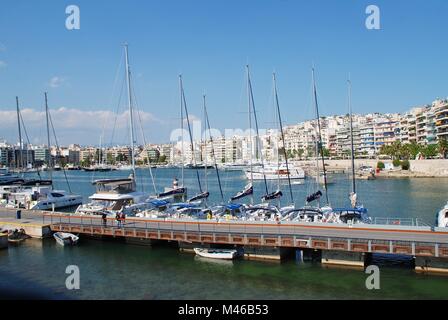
x=165, y=151
x=385, y=131
x=4, y=159
x=42, y=155
x=441, y=118
x=344, y=141
x=153, y=154
x=73, y=157
x=367, y=139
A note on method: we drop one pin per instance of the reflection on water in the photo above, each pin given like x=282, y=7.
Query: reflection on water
x=116, y=270
x=215, y=262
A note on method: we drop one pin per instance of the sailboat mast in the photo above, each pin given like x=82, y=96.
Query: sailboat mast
x=319, y=141
x=204, y=154
x=257, y=133
x=282, y=135
x=50, y=163
x=213, y=149
x=250, y=133
x=190, y=134
x=182, y=129
x=20, y=136
x=351, y=135
x=131, y=117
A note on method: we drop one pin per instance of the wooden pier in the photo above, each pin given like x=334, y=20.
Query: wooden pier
x=415, y=241
x=428, y=244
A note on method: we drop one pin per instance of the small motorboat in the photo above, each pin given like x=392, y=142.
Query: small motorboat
x=223, y=254
x=65, y=238
x=442, y=217
x=15, y=236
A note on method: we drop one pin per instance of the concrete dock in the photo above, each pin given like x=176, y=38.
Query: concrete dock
x=331, y=244
x=3, y=241
x=30, y=222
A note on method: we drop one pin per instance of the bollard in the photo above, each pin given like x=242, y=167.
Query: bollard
x=19, y=214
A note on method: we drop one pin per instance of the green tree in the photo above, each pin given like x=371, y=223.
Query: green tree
x=404, y=152
x=326, y=152
x=405, y=165
x=442, y=147
x=162, y=158
x=393, y=150
x=414, y=149
x=110, y=159
x=429, y=151
x=121, y=158
x=396, y=162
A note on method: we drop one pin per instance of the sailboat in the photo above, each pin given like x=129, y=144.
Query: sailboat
x=291, y=174
x=178, y=193
x=222, y=209
x=192, y=207
x=203, y=194
x=100, y=166
x=310, y=212
x=278, y=171
x=264, y=210
x=39, y=194
x=356, y=213
x=120, y=194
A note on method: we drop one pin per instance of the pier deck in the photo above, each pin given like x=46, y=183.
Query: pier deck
x=405, y=240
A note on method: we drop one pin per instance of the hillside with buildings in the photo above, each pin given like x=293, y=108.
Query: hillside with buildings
x=423, y=126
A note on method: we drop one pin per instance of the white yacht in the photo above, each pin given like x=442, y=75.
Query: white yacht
x=41, y=198
x=7, y=178
x=113, y=195
x=442, y=217
x=275, y=172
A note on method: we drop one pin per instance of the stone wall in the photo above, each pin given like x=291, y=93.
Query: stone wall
x=436, y=167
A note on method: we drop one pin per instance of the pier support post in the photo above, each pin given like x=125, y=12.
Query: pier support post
x=267, y=253
x=3, y=241
x=431, y=265
x=343, y=258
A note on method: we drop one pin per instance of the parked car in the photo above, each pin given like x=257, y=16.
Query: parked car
x=368, y=169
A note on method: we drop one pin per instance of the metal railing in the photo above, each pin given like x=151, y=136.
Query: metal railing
x=413, y=222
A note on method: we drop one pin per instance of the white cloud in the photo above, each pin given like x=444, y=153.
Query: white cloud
x=75, y=125
x=56, y=81
x=2, y=64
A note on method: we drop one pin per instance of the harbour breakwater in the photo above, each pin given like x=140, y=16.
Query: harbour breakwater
x=418, y=168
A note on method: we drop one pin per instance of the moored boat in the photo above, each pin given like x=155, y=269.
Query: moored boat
x=442, y=217
x=223, y=254
x=65, y=238
x=41, y=198
x=275, y=172
x=16, y=236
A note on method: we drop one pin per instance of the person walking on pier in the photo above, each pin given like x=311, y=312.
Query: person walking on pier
x=104, y=217
x=118, y=218
x=123, y=218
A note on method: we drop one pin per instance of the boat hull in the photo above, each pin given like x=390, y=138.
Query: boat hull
x=442, y=217
x=270, y=176
x=65, y=239
x=216, y=253
x=67, y=202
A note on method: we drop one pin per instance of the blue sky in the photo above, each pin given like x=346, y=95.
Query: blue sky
x=210, y=41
